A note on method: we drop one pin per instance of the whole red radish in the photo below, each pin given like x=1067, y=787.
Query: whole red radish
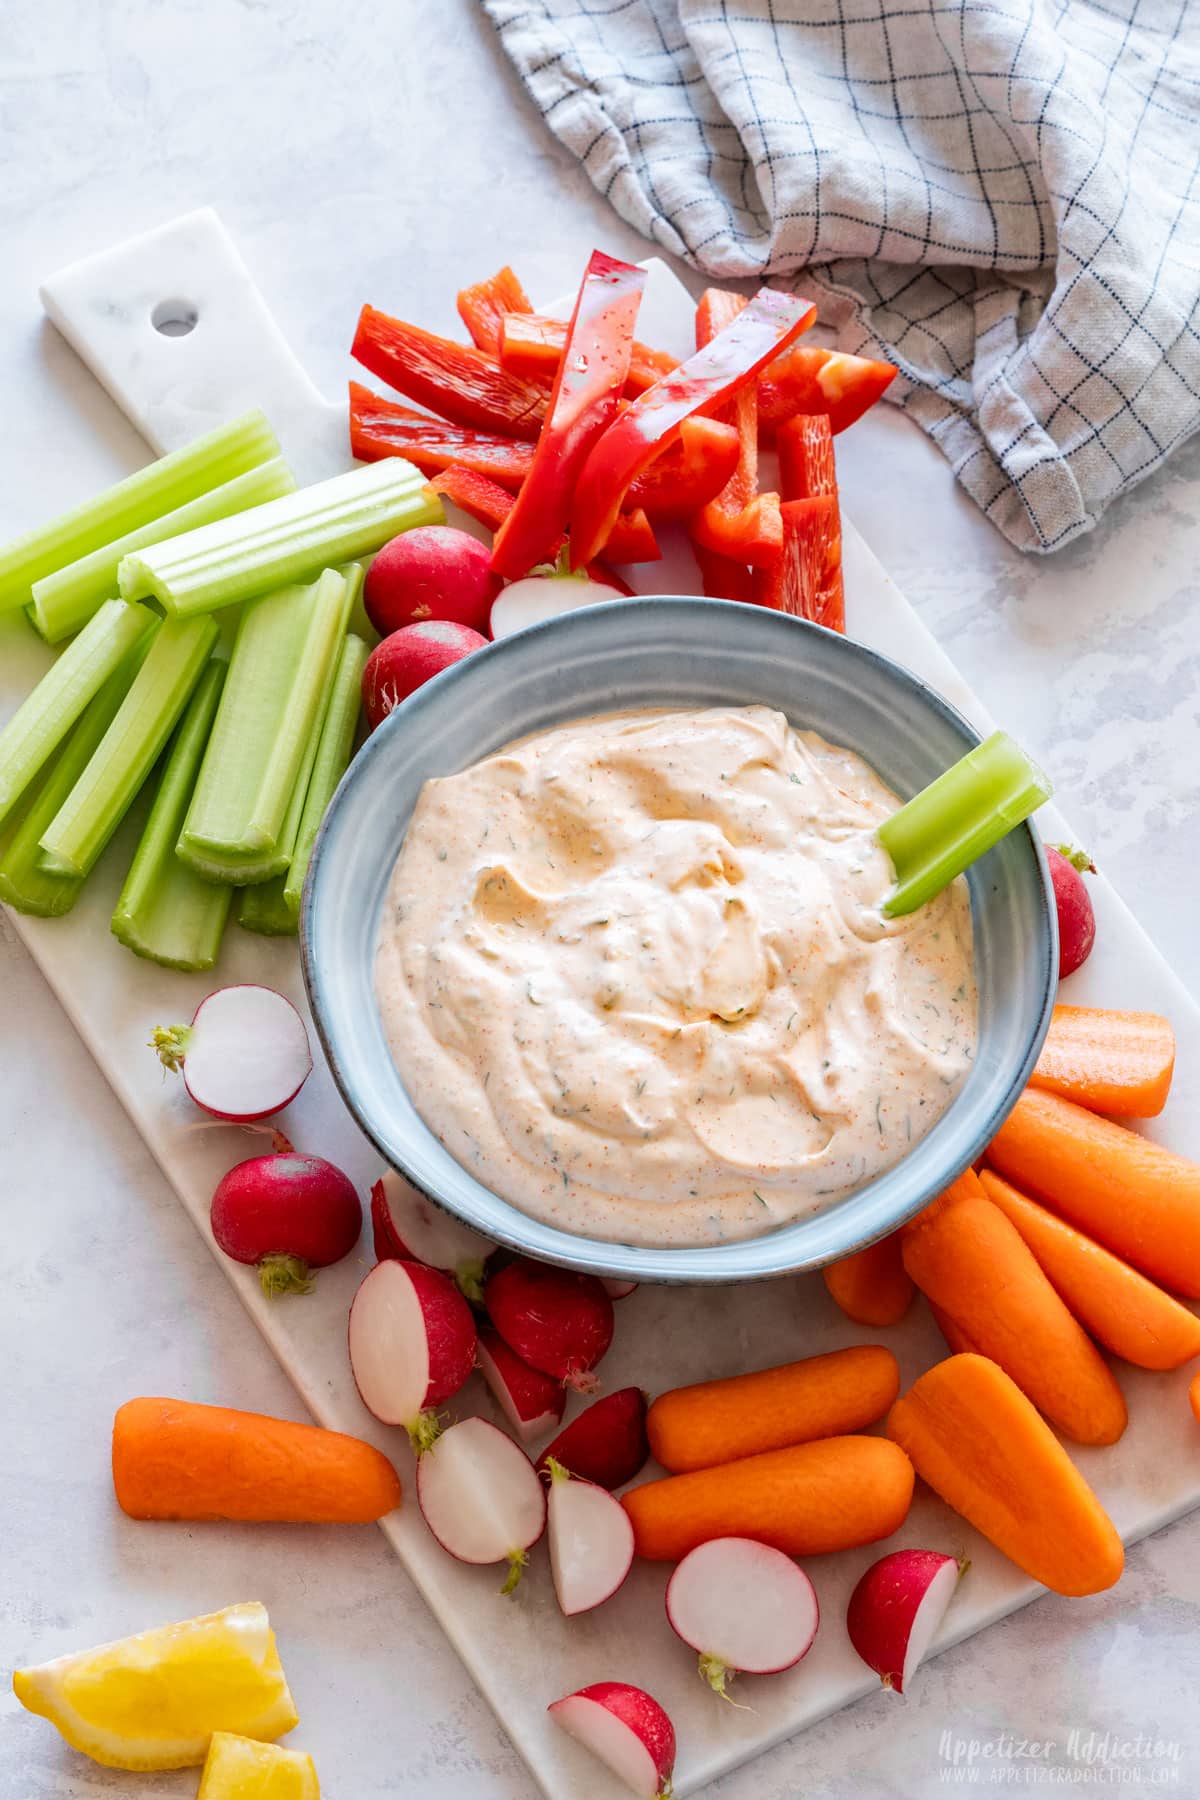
x=746, y=1608
x=244, y=1056
x=289, y=1214
x=412, y=1345
x=433, y=572
x=626, y=1729
x=532, y=1403
x=408, y=1224
x=410, y=657
x=896, y=1609
x=591, y=1541
x=479, y=1496
x=1076, y=920
x=556, y=1320
x=607, y=1443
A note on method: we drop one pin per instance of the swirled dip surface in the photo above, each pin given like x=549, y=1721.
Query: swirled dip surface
x=635, y=976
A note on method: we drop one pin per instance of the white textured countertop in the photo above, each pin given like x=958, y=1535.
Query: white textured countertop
x=385, y=153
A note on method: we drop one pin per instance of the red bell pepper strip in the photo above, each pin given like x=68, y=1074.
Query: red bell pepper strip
x=807, y=471
x=712, y=377
x=583, y=403
x=532, y=345
x=483, y=306
x=808, y=380
x=722, y=578
x=631, y=540
x=687, y=475
x=807, y=579
x=381, y=427
x=453, y=380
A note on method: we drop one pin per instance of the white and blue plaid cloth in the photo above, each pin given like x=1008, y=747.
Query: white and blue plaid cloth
x=1000, y=196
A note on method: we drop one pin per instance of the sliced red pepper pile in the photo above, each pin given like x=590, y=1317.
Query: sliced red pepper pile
x=532, y=346
x=456, y=381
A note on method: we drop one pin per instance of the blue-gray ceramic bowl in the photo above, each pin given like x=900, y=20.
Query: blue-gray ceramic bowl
x=667, y=653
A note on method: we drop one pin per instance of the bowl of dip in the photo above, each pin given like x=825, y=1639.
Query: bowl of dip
x=593, y=942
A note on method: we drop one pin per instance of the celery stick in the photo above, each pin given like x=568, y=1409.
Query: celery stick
x=131, y=746
x=264, y=910
x=333, y=757
x=161, y=487
x=166, y=913
x=43, y=720
x=66, y=600
x=285, y=644
x=287, y=540
x=23, y=882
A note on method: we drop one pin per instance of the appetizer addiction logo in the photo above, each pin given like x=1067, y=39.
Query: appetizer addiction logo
x=1083, y=1759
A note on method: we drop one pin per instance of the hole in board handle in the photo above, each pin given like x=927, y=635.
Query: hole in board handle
x=174, y=318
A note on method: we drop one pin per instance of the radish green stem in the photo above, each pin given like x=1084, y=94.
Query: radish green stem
x=517, y=1560
x=287, y=540
x=286, y=643
x=332, y=760
x=171, y=482
x=131, y=746
x=170, y=1042
x=279, y=1274
x=166, y=913
x=64, y=601
x=43, y=720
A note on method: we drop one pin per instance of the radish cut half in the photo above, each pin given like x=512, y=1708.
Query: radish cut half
x=626, y=1729
x=410, y=1225
x=480, y=1497
x=538, y=597
x=532, y=1403
x=244, y=1056
x=412, y=1345
x=897, y=1609
x=591, y=1541
x=745, y=1607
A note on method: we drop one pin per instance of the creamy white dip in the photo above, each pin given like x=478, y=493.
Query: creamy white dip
x=635, y=976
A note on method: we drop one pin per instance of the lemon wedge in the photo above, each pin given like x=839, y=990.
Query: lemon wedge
x=238, y=1769
x=154, y=1701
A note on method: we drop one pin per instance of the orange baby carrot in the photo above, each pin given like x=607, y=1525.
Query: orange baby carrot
x=980, y=1444
x=1110, y=1062
x=963, y=1187
x=173, y=1459
x=1128, y=1314
x=871, y=1287
x=831, y=1495
x=1140, y=1201
x=1194, y=1395
x=973, y=1264
x=719, y=1421
x=956, y=1338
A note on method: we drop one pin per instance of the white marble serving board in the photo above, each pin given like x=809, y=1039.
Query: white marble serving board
x=520, y=1651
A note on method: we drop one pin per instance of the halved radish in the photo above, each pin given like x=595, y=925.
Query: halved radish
x=532, y=1403
x=480, y=1497
x=627, y=1729
x=538, y=597
x=591, y=1541
x=555, y=1320
x=244, y=1056
x=607, y=1443
x=896, y=1610
x=617, y=1290
x=746, y=1608
x=408, y=1224
x=412, y=1345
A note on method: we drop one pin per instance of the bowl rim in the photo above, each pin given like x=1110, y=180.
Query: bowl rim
x=691, y=1264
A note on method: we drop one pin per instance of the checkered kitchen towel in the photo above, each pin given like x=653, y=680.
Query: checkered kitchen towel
x=1001, y=196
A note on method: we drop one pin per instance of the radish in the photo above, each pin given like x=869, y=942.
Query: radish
x=410, y=657
x=617, y=1290
x=1076, y=920
x=480, y=1497
x=626, y=1729
x=412, y=1345
x=747, y=1609
x=433, y=572
x=607, y=1443
x=538, y=597
x=531, y=1402
x=555, y=1320
x=408, y=1224
x=591, y=1541
x=289, y=1214
x=244, y=1056
x=896, y=1609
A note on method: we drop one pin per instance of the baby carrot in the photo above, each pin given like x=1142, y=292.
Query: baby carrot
x=980, y=1444
x=955, y=1336
x=173, y=1459
x=1140, y=1201
x=1128, y=1314
x=831, y=1495
x=719, y=1421
x=973, y=1263
x=871, y=1287
x=1194, y=1395
x=1110, y=1062
x=963, y=1187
